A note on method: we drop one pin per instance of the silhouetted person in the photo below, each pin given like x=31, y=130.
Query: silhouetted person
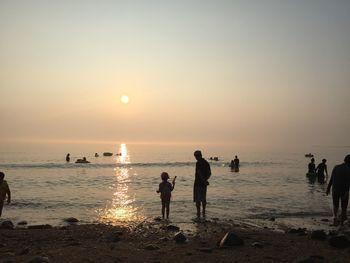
x=232, y=164
x=68, y=157
x=236, y=163
x=202, y=174
x=321, y=170
x=4, y=190
x=96, y=155
x=165, y=189
x=312, y=167
x=340, y=183
x=82, y=160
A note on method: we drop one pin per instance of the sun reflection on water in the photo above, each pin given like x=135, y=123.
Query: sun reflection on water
x=121, y=207
x=123, y=157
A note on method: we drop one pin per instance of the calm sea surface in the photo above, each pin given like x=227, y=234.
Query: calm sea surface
x=117, y=189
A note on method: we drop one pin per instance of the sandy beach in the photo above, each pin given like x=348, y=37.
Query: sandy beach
x=154, y=242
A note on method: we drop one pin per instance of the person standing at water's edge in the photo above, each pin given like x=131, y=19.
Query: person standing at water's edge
x=202, y=175
x=340, y=183
x=4, y=190
x=68, y=157
x=165, y=189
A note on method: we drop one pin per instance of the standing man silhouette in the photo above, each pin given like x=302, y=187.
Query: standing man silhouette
x=340, y=184
x=4, y=191
x=202, y=174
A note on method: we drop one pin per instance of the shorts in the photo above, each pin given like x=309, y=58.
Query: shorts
x=165, y=198
x=343, y=197
x=199, y=193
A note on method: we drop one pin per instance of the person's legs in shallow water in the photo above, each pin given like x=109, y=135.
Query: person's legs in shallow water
x=344, y=206
x=198, y=206
x=204, y=204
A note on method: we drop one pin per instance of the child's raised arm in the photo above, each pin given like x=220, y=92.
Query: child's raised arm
x=174, y=182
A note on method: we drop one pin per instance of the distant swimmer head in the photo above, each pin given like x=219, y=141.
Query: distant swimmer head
x=198, y=154
x=324, y=160
x=347, y=159
x=164, y=176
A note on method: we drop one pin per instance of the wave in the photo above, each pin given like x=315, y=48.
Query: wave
x=51, y=204
x=51, y=165
x=88, y=165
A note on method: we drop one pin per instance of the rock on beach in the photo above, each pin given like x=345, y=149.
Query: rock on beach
x=231, y=239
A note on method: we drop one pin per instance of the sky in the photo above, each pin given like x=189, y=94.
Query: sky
x=238, y=72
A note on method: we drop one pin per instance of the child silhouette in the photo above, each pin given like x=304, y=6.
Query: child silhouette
x=165, y=189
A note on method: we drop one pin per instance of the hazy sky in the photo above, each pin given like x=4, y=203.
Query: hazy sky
x=241, y=72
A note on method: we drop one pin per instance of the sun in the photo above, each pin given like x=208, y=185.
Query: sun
x=124, y=99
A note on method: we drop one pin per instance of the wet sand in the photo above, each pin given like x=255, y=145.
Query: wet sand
x=154, y=242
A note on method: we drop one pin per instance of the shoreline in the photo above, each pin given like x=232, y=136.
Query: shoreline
x=154, y=242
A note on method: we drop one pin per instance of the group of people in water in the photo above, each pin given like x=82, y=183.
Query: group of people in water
x=235, y=164
x=339, y=183
x=320, y=172
x=84, y=160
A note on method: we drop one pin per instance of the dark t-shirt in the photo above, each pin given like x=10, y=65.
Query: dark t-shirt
x=202, y=173
x=340, y=179
x=312, y=167
x=165, y=189
x=321, y=168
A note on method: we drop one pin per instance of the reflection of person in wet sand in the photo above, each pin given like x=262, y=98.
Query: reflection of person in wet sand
x=165, y=189
x=340, y=183
x=202, y=175
x=4, y=190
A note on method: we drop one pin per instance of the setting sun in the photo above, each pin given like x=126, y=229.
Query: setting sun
x=124, y=99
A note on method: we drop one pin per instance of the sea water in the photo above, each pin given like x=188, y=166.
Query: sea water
x=122, y=188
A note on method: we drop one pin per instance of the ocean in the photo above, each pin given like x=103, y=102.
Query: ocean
x=121, y=189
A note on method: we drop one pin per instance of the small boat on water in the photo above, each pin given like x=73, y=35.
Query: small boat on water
x=107, y=154
x=309, y=155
